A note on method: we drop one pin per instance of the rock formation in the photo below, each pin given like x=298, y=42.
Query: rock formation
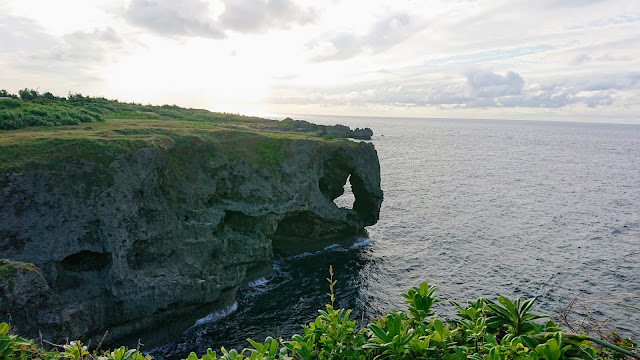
x=339, y=131
x=172, y=231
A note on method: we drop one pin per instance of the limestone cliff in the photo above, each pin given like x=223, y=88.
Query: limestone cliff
x=169, y=229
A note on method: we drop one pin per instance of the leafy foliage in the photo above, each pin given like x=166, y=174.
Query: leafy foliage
x=270, y=150
x=420, y=300
x=15, y=347
x=484, y=330
x=31, y=108
x=515, y=315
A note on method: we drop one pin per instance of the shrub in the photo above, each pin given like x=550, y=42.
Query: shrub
x=484, y=330
x=270, y=150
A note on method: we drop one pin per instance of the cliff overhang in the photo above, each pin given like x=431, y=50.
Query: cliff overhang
x=151, y=222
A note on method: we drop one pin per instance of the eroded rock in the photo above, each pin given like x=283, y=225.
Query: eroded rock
x=338, y=131
x=174, y=233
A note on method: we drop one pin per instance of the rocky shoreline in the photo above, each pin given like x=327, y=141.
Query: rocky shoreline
x=173, y=235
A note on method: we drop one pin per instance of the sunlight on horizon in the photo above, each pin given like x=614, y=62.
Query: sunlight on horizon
x=467, y=59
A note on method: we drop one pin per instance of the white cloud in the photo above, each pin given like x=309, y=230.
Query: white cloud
x=174, y=18
x=485, y=84
x=257, y=16
x=383, y=34
x=453, y=58
x=200, y=18
x=34, y=58
x=482, y=89
x=20, y=35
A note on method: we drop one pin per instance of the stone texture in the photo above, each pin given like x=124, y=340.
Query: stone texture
x=339, y=131
x=172, y=237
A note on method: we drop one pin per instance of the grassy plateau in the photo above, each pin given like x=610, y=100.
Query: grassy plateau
x=41, y=131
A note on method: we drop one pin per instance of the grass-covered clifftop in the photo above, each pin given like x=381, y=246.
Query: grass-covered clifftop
x=151, y=215
x=31, y=108
x=45, y=132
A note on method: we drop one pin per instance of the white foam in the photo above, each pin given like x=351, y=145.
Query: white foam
x=360, y=242
x=258, y=282
x=330, y=247
x=334, y=247
x=218, y=314
x=304, y=254
x=275, y=266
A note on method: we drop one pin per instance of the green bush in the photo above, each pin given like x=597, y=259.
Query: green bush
x=32, y=108
x=16, y=114
x=270, y=150
x=483, y=330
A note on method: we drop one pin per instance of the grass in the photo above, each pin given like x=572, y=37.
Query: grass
x=105, y=129
x=100, y=143
x=271, y=150
x=40, y=110
x=9, y=269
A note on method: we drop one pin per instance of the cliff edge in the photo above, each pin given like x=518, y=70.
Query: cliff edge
x=127, y=224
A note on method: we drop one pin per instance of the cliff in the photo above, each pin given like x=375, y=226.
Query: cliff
x=125, y=225
x=340, y=131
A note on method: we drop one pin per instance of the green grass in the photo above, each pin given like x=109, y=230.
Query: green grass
x=9, y=269
x=40, y=110
x=271, y=150
x=53, y=153
x=99, y=144
x=49, y=133
x=16, y=114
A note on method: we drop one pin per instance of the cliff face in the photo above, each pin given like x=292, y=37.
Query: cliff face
x=174, y=230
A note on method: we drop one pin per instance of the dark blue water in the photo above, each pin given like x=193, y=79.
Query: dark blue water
x=478, y=208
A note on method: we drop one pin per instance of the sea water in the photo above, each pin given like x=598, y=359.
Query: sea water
x=479, y=208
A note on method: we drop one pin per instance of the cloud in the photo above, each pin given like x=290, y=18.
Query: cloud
x=258, y=16
x=20, y=34
x=383, y=35
x=92, y=46
x=389, y=32
x=580, y=59
x=196, y=18
x=32, y=57
x=174, y=18
x=78, y=50
x=25, y=40
x=481, y=89
x=485, y=84
x=341, y=46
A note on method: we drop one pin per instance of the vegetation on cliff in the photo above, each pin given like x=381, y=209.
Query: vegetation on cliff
x=483, y=330
x=9, y=269
x=110, y=211
x=47, y=132
x=31, y=108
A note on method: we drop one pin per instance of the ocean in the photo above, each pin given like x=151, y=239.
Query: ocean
x=478, y=208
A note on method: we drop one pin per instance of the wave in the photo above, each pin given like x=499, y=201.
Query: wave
x=257, y=283
x=215, y=316
x=260, y=285
x=360, y=242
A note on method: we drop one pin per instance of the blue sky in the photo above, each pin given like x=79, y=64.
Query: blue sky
x=544, y=59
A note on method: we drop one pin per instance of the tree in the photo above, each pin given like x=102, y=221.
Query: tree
x=28, y=94
x=5, y=93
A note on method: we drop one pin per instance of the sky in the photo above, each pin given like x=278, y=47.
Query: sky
x=573, y=60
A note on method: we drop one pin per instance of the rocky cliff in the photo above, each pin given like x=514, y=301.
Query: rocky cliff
x=339, y=131
x=168, y=230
